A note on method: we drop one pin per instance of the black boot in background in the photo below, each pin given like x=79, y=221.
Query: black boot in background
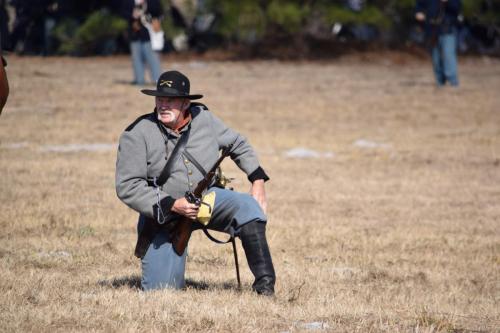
x=253, y=239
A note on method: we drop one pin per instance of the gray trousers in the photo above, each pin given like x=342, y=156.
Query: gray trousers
x=163, y=268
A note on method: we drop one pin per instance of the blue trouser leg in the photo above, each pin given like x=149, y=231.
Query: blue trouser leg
x=437, y=64
x=234, y=209
x=444, y=59
x=153, y=60
x=137, y=62
x=163, y=268
x=449, y=55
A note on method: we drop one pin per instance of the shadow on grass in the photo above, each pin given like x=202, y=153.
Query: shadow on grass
x=202, y=285
x=134, y=282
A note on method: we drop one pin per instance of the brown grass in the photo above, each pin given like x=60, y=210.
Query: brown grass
x=403, y=237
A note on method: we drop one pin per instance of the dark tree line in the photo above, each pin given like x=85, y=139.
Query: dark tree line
x=295, y=28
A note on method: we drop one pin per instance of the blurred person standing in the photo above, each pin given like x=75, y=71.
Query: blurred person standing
x=440, y=20
x=142, y=53
x=4, y=25
x=355, y=5
x=4, y=83
x=27, y=35
x=162, y=156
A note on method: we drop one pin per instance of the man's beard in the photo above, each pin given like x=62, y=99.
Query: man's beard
x=171, y=114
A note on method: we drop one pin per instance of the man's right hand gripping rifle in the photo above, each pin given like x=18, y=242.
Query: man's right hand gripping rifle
x=185, y=208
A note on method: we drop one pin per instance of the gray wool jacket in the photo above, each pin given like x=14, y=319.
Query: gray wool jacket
x=146, y=144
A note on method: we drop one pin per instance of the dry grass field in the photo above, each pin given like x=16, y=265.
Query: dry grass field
x=384, y=199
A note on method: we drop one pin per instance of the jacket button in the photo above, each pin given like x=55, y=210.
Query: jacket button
x=186, y=161
x=190, y=184
x=190, y=172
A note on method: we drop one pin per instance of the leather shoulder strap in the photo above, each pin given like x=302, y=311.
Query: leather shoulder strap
x=195, y=162
x=179, y=148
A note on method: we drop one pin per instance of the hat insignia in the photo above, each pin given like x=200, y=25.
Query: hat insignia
x=165, y=82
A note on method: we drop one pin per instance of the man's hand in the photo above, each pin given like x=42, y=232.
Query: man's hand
x=155, y=23
x=420, y=16
x=259, y=193
x=185, y=208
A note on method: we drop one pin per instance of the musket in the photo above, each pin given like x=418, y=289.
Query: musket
x=182, y=231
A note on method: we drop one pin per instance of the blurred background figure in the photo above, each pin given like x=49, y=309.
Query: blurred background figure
x=440, y=20
x=137, y=13
x=28, y=31
x=4, y=25
x=356, y=5
x=354, y=29
x=33, y=25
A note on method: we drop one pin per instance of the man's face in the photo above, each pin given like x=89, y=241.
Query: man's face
x=170, y=110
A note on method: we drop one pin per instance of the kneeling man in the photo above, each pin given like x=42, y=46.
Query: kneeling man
x=182, y=140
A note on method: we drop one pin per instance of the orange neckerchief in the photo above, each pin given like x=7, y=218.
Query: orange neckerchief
x=184, y=122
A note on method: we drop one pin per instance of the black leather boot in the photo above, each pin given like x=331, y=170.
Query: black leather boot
x=253, y=239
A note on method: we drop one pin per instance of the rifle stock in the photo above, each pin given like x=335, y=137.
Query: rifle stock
x=182, y=234
x=183, y=230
